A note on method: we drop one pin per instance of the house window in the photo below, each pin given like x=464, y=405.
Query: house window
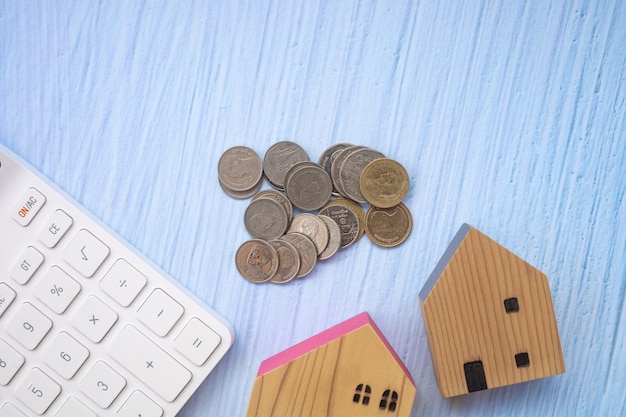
x=389, y=401
x=511, y=305
x=522, y=360
x=364, y=391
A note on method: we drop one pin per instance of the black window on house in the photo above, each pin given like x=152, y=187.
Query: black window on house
x=362, y=391
x=511, y=305
x=389, y=401
x=522, y=360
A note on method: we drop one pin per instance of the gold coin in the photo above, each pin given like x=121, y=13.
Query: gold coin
x=356, y=207
x=384, y=183
x=349, y=217
x=388, y=227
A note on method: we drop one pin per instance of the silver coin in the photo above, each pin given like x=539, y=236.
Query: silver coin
x=351, y=169
x=312, y=227
x=334, y=238
x=288, y=261
x=306, y=249
x=279, y=198
x=327, y=157
x=265, y=219
x=308, y=187
x=293, y=169
x=279, y=158
x=296, y=167
x=256, y=260
x=241, y=194
x=335, y=168
x=239, y=169
x=346, y=219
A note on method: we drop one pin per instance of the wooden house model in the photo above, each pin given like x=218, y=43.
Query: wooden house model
x=349, y=370
x=489, y=318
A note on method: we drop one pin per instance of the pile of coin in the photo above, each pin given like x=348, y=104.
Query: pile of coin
x=285, y=246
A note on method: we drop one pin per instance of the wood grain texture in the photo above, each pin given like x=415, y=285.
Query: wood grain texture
x=509, y=116
x=323, y=382
x=467, y=318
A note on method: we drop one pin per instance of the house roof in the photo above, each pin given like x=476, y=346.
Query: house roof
x=444, y=261
x=325, y=337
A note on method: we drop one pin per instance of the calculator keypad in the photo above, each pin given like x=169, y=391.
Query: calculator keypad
x=89, y=327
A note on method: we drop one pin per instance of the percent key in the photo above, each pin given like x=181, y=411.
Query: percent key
x=57, y=289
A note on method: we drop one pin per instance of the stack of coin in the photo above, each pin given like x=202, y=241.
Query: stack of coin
x=364, y=175
x=279, y=158
x=307, y=239
x=348, y=216
x=240, y=172
x=284, y=246
x=308, y=186
x=384, y=183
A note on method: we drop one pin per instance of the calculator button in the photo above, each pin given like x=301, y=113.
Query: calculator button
x=57, y=289
x=74, y=408
x=65, y=355
x=123, y=282
x=28, y=206
x=37, y=391
x=29, y=326
x=149, y=363
x=86, y=253
x=94, y=319
x=197, y=341
x=160, y=312
x=7, y=295
x=9, y=410
x=26, y=265
x=102, y=384
x=55, y=228
x=138, y=404
x=10, y=362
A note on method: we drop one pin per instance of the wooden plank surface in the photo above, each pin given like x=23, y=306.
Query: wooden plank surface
x=507, y=115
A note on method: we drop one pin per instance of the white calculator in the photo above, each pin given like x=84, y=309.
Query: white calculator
x=88, y=326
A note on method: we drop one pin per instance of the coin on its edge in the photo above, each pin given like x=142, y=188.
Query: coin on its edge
x=388, y=227
x=256, y=260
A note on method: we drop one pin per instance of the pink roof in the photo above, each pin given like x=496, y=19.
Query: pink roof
x=325, y=337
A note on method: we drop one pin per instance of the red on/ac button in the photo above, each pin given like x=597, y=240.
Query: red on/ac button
x=28, y=206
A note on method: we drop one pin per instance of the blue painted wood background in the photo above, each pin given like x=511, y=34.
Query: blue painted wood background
x=508, y=116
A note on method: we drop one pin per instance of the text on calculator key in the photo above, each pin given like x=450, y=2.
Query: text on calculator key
x=149, y=363
x=86, y=253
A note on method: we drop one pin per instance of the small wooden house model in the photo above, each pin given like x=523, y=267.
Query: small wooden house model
x=489, y=318
x=349, y=370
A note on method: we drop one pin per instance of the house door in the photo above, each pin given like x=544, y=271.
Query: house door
x=475, y=376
